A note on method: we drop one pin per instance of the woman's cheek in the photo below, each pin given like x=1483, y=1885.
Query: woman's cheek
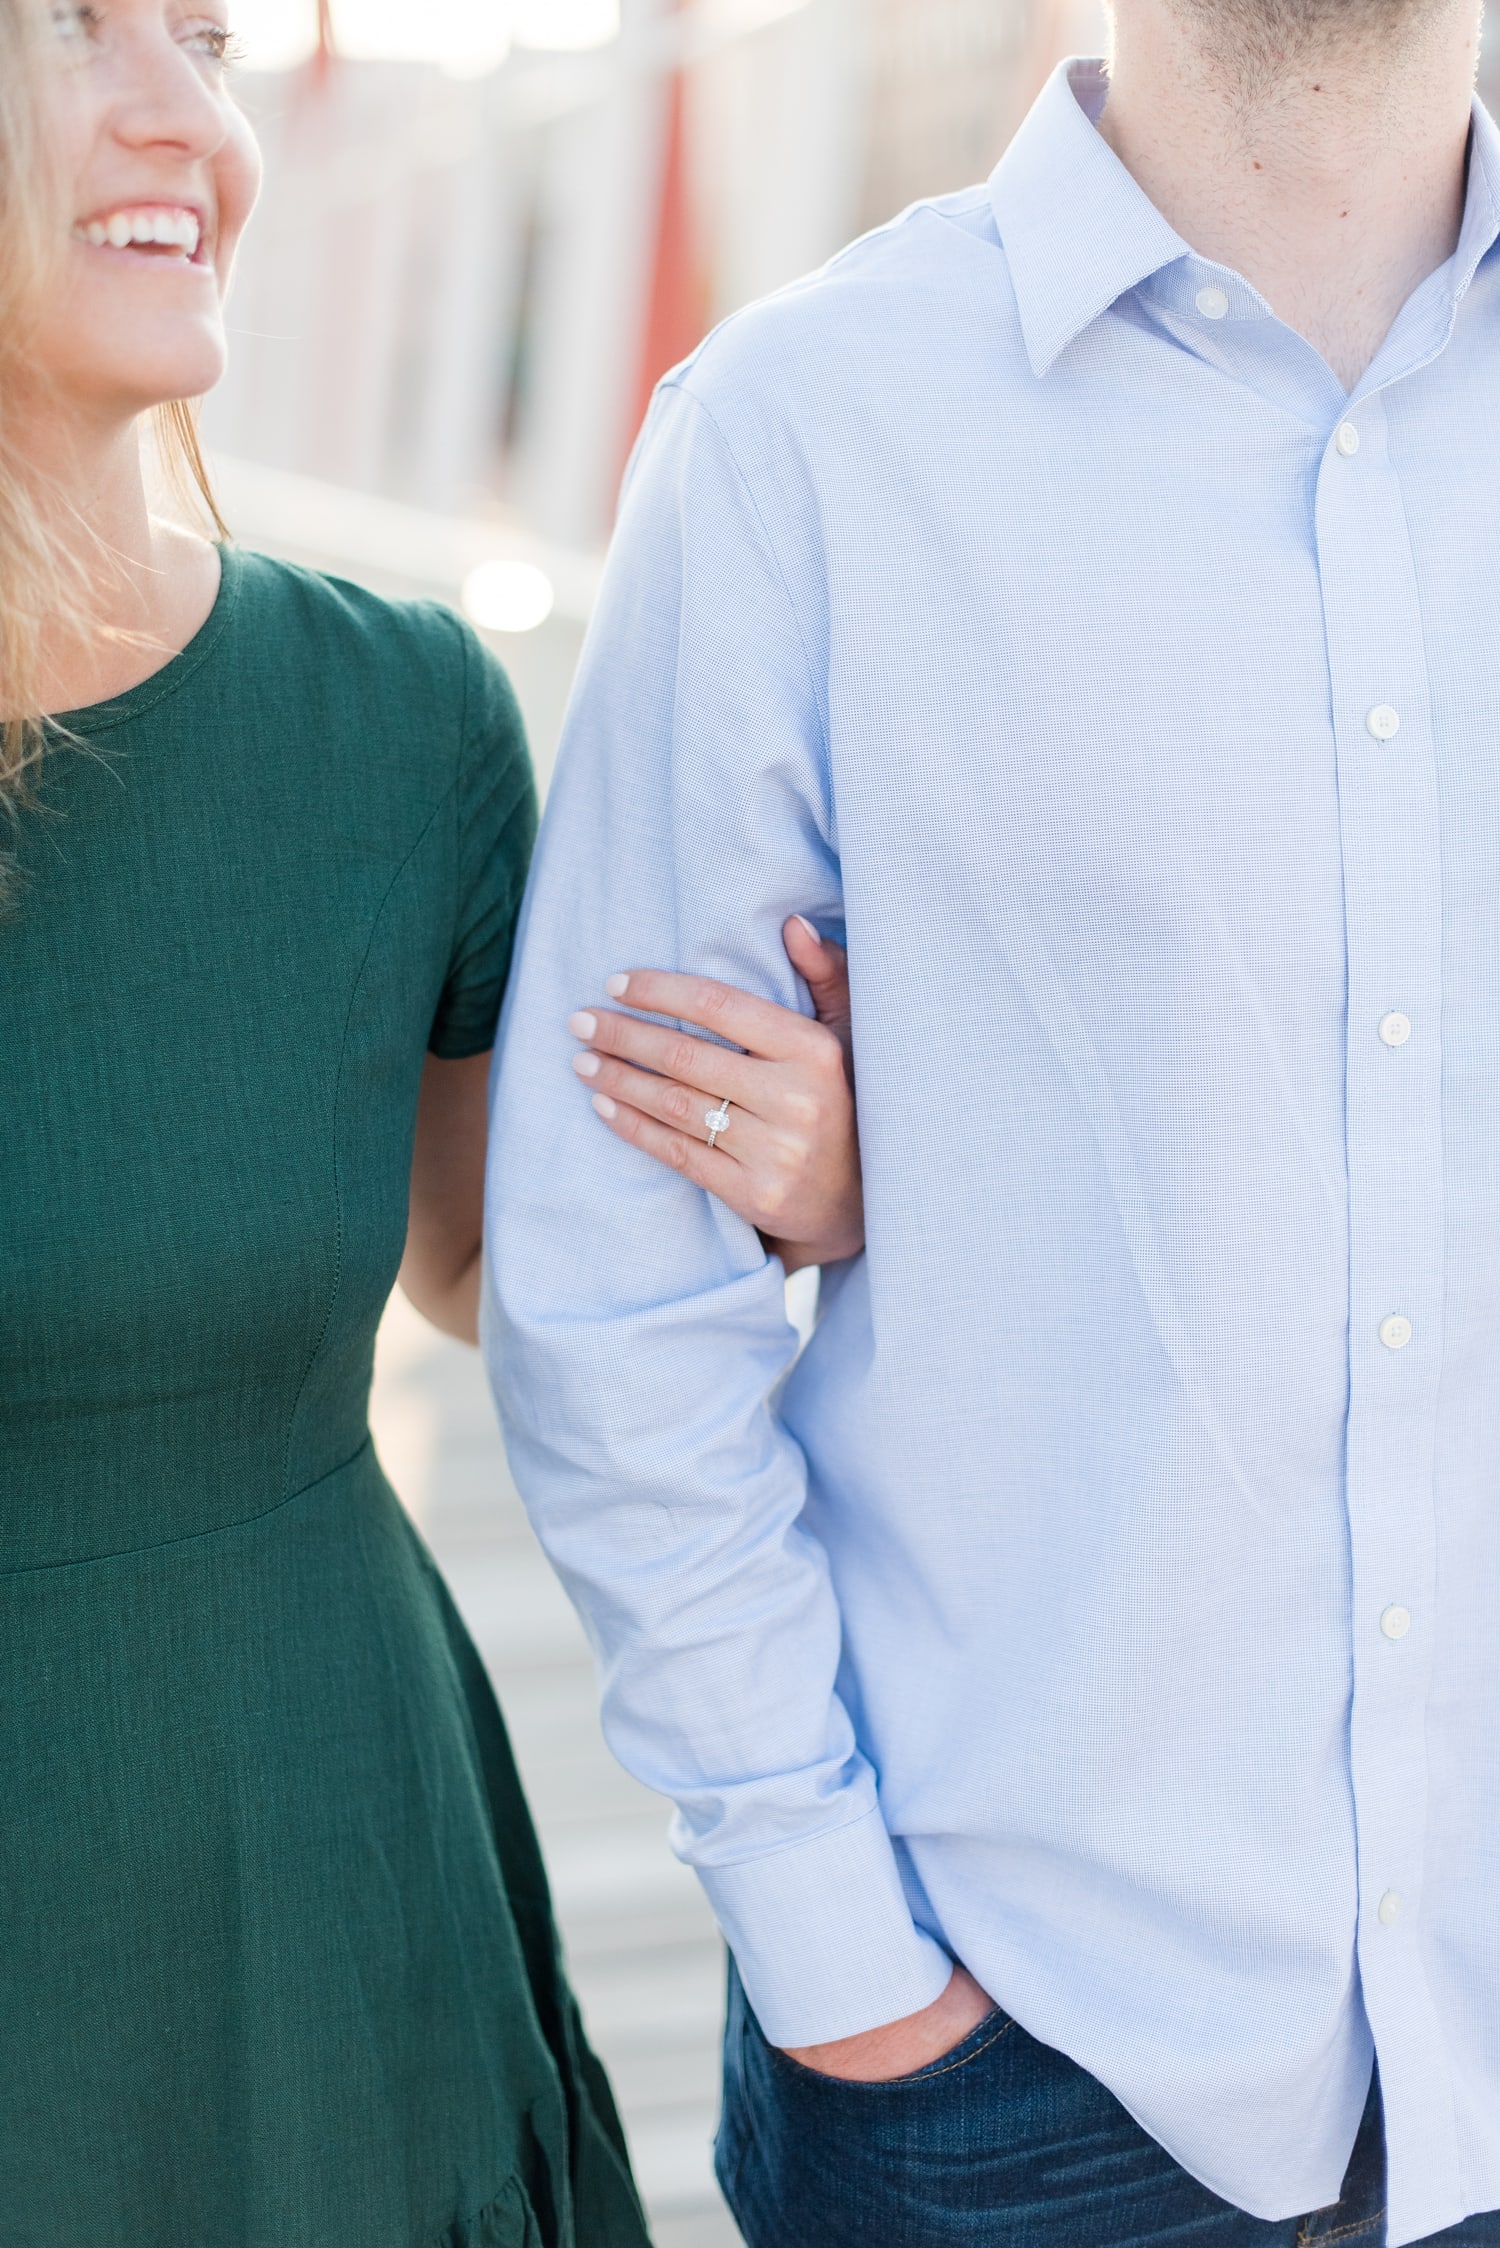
x=238, y=176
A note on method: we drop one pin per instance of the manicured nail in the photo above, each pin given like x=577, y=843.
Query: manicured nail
x=617, y=986
x=583, y=1026
x=604, y=1106
x=587, y=1065
x=807, y=925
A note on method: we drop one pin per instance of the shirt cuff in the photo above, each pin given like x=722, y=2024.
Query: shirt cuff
x=823, y=1937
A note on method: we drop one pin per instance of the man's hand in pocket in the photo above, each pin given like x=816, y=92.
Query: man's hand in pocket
x=878, y=2056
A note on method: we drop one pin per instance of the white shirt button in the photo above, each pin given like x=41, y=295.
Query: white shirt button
x=1389, y=1908
x=1212, y=303
x=1383, y=722
x=1396, y=1623
x=1346, y=437
x=1395, y=1029
x=1395, y=1332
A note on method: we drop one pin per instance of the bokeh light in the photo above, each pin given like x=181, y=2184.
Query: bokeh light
x=508, y=596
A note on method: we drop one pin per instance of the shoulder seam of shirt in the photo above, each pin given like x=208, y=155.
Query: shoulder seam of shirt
x=675, y=382
x=941, y=207
x=944, y=211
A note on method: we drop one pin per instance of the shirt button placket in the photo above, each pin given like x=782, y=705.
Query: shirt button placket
x=1391, y=861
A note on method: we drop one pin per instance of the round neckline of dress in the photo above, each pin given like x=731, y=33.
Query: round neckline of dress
x=97, y=718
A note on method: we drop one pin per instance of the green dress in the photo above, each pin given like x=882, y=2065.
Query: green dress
x=277, y=1964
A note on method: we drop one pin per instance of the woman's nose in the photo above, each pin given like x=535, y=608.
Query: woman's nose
x=161, y=97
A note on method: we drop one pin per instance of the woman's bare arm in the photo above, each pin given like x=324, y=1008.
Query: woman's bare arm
x=440, y=1269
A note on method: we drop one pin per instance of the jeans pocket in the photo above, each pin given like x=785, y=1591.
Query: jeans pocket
x=980, y=2038
x=817, y=2161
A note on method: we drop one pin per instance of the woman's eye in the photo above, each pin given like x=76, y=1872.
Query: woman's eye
x=74, y=21
x=215, y=40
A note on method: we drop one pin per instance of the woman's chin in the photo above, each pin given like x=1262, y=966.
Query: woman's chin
x=157, y=380
x=125, y=358
x=184, y=371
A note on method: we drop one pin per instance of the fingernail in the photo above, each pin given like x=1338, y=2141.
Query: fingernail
x=617, y=986
x=583, y=1026
x=587, y=1065
x=807, y=925
x=604, y=1106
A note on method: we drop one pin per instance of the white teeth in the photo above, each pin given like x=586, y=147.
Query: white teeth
x=167, y=229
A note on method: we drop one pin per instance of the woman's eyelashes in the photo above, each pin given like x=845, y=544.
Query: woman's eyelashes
x=76, y=22
x=215, y=40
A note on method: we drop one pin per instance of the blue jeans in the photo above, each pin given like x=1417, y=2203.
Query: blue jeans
x=1003, y=2143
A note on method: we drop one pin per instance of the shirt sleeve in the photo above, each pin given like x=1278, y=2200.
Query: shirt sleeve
x=495, y=812
x=635, y=1329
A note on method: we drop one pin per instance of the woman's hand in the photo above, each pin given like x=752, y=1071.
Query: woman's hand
x=786, y=1158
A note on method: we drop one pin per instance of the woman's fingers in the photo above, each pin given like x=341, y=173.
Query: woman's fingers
x=759, y=1025
x=757, y=1182
x=779, y=1177
x=685, y=1108
x=703, y=1165
x=674, y=1054
x=786, y=1158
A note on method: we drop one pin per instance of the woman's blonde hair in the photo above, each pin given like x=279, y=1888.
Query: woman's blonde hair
x=49, y=579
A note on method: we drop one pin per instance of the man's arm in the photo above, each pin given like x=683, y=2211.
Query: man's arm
x=635, y=1328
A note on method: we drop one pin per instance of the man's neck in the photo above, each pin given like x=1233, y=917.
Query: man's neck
x=1330, y=175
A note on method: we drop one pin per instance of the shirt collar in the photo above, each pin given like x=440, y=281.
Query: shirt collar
x=1481, y=223
x=1079, y=232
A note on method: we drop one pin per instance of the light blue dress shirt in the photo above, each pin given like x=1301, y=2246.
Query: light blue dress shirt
x=1111, y=1594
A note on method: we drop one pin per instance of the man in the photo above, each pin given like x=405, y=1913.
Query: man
x=1080, y=1682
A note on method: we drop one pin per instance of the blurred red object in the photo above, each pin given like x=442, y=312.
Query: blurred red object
x=677, y=311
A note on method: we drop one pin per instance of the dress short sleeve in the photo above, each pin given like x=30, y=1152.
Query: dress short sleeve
x=496, y=813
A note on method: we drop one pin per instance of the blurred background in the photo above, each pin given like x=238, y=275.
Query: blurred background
x=488, y=227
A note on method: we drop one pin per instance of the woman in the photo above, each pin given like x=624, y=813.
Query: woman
x=277, y=1966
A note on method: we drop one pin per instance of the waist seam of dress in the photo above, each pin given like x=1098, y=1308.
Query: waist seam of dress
x=192, y=1537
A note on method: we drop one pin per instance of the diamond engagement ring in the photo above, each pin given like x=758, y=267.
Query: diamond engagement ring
x=717, y=1121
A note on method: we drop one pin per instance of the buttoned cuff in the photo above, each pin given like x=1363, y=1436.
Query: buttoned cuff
x=823, y=1937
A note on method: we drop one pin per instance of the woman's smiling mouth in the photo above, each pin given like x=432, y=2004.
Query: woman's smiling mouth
x=172, y=230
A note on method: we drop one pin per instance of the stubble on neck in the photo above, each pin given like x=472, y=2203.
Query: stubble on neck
x=1254, y=48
